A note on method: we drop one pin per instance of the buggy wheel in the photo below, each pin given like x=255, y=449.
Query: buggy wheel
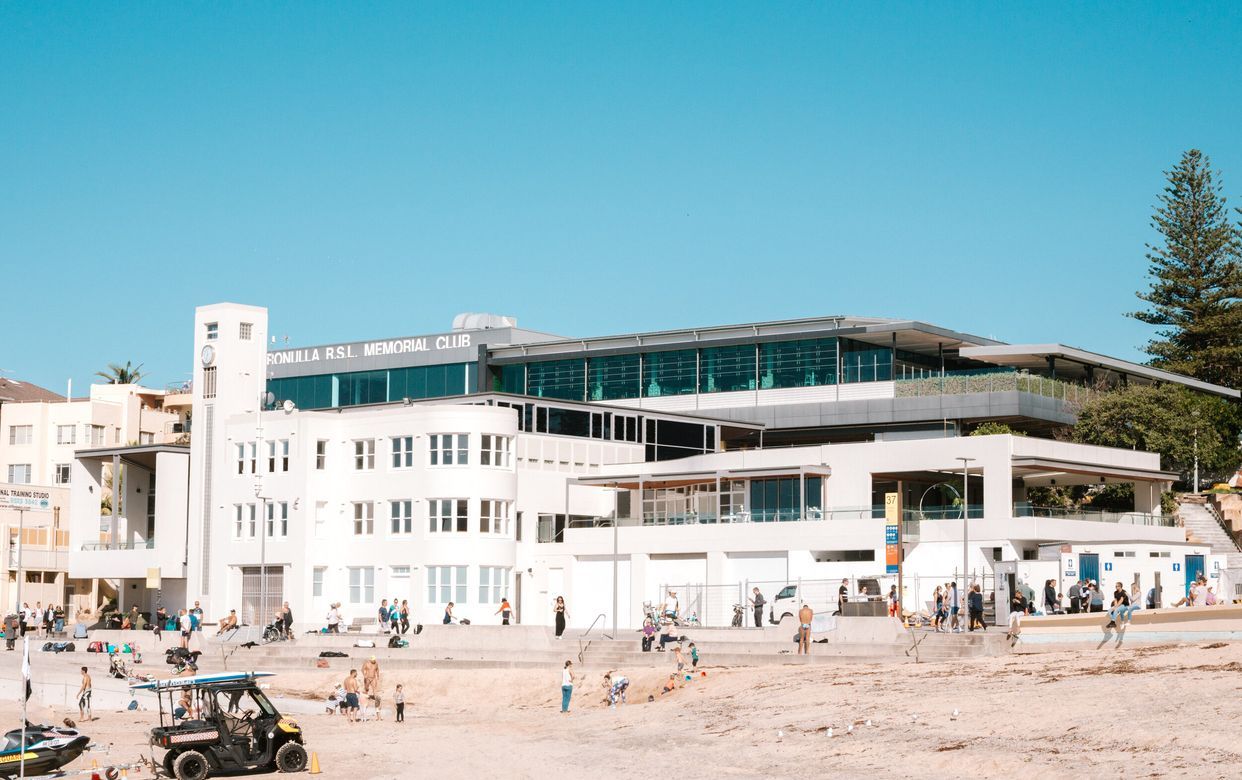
x=291, y=757
x=167, y=763
x=190, y=765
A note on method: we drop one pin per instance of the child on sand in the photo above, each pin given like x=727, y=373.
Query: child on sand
x=694, y=656
x=681, y=659
x=670, y=685
x=399, y=699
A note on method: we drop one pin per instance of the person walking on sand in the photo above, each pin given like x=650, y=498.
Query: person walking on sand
x=694, y=656
x=383, y=615
x=892, y=601
x=561, y=614
x=567, y=685
x=84, y=697
x=938, y=598
x=504, y=611
x=679, y=658
x=757, y=602
x=954, y=610
x=398, y=699
x=975, y=603
x=805, y=616
x=843, y=594
x=405, y=616
x=351, y=696
x=394, y=617
x=186, y=624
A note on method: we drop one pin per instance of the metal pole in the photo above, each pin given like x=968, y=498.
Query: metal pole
x=21, y=532
x=965, y=523
x=614, y=574
x=1196, y=488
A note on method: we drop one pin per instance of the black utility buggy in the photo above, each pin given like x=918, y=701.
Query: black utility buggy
x=222, y=724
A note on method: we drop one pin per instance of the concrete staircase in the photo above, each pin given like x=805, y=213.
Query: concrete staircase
x=1203, y=525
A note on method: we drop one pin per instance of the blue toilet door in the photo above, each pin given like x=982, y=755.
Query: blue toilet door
x=1194, y=567
x=1089, y=567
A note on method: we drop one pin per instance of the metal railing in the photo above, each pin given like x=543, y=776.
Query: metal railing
x=147, y=544
x=584, y=644
x=1024, y=509
x=964, y=382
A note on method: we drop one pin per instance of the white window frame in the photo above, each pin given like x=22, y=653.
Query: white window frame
x=277, y=510
x=317, y=577
x=252, y=452
x=209, y=382
x=364, y=454
x=277, y=455
x=364, y=518
x=252, y=521
x=72, y=438
x=402, y=452
x=496, y=451
x=25, y=470
x=495, y=516
x=494, y=583
x=448, y=515
x=26, y=437
x=321, y=454
x=361, y=584
x=213, y=330
x=146, y=437
x=449, y=449
x=62, y=468
x=96, y=434
x=245, y=330
x=401, y=516
x=238, y=520
x=447, y=583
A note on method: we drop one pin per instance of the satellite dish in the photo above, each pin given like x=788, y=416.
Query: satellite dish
x=288, y=406
x=269, y=399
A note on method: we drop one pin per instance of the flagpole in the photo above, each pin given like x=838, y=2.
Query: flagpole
x=25, y=698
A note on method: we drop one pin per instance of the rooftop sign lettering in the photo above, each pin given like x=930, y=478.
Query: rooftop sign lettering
x=365, y=349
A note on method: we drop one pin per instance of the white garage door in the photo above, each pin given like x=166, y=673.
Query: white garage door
x=592, y=593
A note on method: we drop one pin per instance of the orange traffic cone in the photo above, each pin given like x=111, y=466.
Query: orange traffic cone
x=314, y=766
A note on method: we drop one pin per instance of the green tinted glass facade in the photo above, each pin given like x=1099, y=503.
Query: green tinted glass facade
x=510, y=379
x=808, y=363
x=777, y=499
x=865, y=362
x=612, y=377
x=670, y=373
x=326, y=391
x=556, y=379
x=725, y=369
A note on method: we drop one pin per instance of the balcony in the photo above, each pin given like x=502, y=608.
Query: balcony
x=141, y=544
x=989, y=381
x=40, y=559
x=1024, y=509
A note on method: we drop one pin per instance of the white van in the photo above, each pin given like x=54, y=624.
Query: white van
x=822, y=596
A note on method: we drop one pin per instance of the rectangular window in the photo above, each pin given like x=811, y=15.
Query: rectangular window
x=238, y=520
x=97, y=436
x=447, y=515
x=493, y=584
x=670, y=373
x=861, y=362
x=66, y=434
x=364, y=518
x=245, y=330
x=364, y=454
x=497, y=451
x=445, y=584
x=213, y=331
x=402, y=452
x=494, y=516
x=1123, y=553
x=317, y=581
x=806, y=363
x=209, y=382
x=241, y=458
x=321, y=519
x=277, y=455
x=21, y=434
x=613, y=377
x=62, y=473
x=321, y=454
x=19, y=473
x=146, y=437
x=402, y=516
x=557, y=379
x=727, y=369
x=449, y=449
x=252, y=520
x=361, y=584
x=278, y=519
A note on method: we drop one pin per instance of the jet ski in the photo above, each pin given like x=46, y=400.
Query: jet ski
x=48, y=748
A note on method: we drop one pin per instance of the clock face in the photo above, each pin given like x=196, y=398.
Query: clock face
x=208, y=355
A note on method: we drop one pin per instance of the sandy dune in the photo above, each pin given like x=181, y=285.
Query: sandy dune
x=1151, y=712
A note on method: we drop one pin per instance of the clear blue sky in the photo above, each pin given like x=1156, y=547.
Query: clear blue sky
x=368, y=170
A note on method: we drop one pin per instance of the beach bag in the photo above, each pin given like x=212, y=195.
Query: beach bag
x=364, y=643
x=321, y=663
x=333, y=654
x=47, y=647
x=397, y=641
x=95, y=647
x=464, y=621
x=111, y=648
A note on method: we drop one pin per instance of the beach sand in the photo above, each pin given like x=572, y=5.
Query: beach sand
x=1146, y=712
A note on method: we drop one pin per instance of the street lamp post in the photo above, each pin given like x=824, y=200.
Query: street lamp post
x=965, y=523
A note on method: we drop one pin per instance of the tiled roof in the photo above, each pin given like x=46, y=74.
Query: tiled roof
x=17, y=390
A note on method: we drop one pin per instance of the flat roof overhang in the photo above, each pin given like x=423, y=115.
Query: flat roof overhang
x=681, y=479
x=1032, y=468
x=1076, y=362
x=140, y=455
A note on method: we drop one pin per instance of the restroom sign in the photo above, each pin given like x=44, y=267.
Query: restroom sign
x=1177, y=567
x=1108, y=566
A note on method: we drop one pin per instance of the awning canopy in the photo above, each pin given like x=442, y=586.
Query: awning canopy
x=142, y=455
x=681, y=479
x=1043, y=471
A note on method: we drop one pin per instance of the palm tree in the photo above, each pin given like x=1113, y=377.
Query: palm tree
x=118, y=374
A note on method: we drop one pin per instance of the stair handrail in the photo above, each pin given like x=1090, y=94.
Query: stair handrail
x=1220, y=520
x=583, y=648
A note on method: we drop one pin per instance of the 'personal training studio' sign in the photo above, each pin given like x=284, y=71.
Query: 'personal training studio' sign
x=28, y=499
